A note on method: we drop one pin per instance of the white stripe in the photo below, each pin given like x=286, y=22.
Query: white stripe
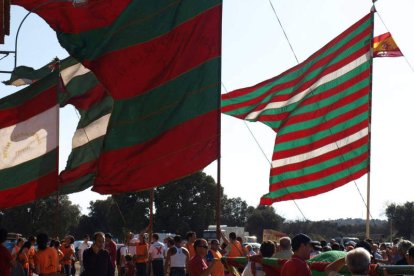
x=320, y=151
x=92, y=131
x=72, y=71
x=29, y=139
x=325, y=79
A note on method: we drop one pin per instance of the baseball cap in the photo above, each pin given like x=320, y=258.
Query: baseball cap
x=299, y=239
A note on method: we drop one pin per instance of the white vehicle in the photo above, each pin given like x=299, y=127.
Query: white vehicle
x=210, y=233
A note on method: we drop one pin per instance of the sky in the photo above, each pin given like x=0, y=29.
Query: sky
x=254, y=49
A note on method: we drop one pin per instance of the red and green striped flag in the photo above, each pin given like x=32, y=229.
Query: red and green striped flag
x=160, y=61
x=94, y=105
x=29, y=143
x=320, y=111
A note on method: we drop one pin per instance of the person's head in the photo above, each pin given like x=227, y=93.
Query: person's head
x=108, y=237
x=410, y=256
x=395, y=241
x=69, y=240
x=32, y=240
x=214, y=245
x=190, y=236
x=232, y=236
x=364, y=244
x=383, y=246
x=3, y=235
x=142, y=237
x=201, y=247
x=403, y=247
x=155, y=237
x=19, y=242
x=358, y=261
x=177, y=240
x=129, y=236
x=323, y=243
x=301, y=246
x=239, y=239
x=99, y=240
x=86, y=238
x=57, y=244
x=285, y=243
x=42, y=240
x=170, y=241
x=267, y=249
x=335, y=246
x=128, y=258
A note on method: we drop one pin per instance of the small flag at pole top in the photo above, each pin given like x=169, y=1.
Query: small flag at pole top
x=385, y=46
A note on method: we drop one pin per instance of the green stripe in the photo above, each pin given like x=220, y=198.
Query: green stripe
x=319, y=166
x=28, y=171
x=78, y=185
x=318, y=183
x=86, y=153
x=279, y=146
x=30, y=92
x=144, y=117
x=298, y=107
x=301, y=69
x=77, y=86
x=95, y=112
x=141, y=21
x=324, y=117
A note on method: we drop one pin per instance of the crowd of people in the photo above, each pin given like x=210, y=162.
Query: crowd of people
x=192, y=256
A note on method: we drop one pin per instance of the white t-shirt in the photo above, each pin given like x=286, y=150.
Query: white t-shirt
x=156, y=250
x=132, y=249
x=123, y=251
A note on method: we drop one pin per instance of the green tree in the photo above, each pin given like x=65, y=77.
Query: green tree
x=234, y=211
x=43, y=215
x=263, y=217
x=402, y=218
x=185, y=204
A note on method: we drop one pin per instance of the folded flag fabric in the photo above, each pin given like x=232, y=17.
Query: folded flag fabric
x=160, y=61
x=29, y=142
x=320, y=111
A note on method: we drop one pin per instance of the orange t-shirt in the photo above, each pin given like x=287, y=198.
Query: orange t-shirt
x=218, y=268
x=68, y=253
x=191, y=250
x=31, y=253
x=142, y=252
x=236, y=249
x=23, y=258
x=47, y=261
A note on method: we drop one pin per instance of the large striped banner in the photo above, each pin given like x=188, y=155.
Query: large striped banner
x=320, y=111
x=160, y=61
x=29, y=143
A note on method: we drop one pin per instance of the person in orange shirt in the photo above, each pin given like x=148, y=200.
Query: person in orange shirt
x=56, y=245
x=68, y=254
x=218, y=268
x=23, y=257
x=31, y=254
x=46, y=258
x=234, y=248
x=19, y=243
x=190, y=237
x=141, y=255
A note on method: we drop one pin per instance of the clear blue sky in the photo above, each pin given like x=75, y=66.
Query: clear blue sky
x=255, y=49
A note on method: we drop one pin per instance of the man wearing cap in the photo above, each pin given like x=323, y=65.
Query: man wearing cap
x=296, y=265
x=110, y=245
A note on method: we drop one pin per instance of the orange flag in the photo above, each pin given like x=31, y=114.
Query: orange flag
x=385, y=46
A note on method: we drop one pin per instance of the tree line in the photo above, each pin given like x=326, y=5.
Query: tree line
x=184, y=205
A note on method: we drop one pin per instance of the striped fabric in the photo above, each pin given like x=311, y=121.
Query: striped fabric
x=320, y=111
x=83, y=91
x=29, y=143
x=160, y=61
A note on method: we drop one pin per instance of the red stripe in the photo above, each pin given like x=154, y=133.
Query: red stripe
x=68, y=176
x=162, y=59
x=93, y=96
x=304, y=86
x=316, y=191
x=30, y=191
x=322, y=142
x=324, y=95
x=32, y=107
x=319, y=159
x=382, y=37
x=179, y=152
x=244, y=91
x=285, y=137
x=64, y=17
x=320, y=174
